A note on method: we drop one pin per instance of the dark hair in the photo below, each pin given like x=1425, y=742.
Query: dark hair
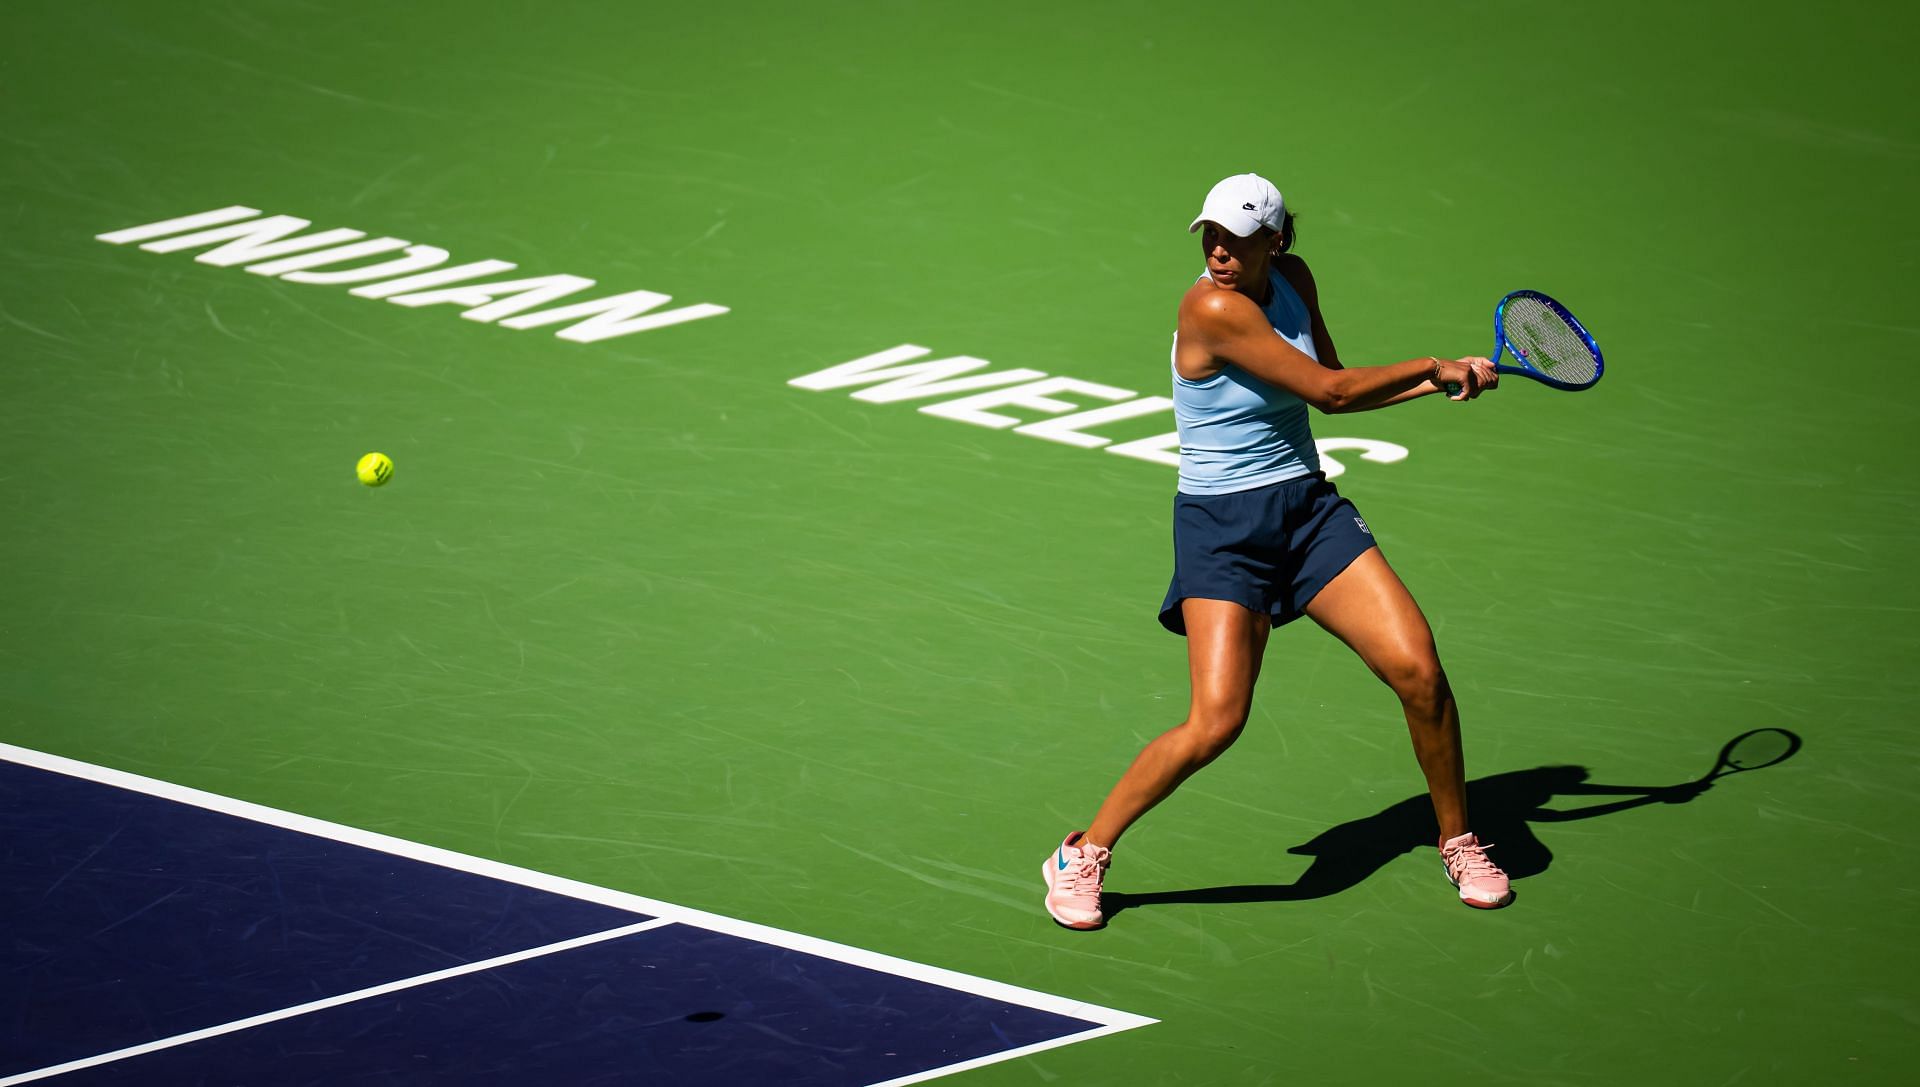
x=1286, y=233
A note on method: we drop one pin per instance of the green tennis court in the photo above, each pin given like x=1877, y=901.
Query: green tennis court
x=639, y=611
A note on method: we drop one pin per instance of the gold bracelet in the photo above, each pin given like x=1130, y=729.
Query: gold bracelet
x=1436, y=371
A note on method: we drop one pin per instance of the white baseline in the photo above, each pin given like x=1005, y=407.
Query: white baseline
x=1109, y=1021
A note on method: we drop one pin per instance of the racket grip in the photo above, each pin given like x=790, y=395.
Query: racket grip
x=1452, y=387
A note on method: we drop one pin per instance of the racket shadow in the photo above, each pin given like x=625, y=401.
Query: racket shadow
x=1505, y=808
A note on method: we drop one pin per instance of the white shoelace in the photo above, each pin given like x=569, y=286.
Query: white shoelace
x=1468, y=861
x=1082, y=876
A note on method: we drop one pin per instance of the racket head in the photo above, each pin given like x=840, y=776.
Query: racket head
x=1550, y=345
x=1755, y=749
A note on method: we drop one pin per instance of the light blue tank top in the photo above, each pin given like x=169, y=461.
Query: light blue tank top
x=1238, y=432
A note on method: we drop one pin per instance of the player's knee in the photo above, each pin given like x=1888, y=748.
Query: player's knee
x=1210, y=731
x=1419, y=681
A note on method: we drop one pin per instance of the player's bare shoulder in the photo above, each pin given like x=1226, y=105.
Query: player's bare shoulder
x=1209, y=310
x=1210, y=318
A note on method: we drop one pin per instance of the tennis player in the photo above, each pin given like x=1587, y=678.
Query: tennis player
x=1260, y=537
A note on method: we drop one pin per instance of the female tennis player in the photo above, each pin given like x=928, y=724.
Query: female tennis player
x=1261, y=538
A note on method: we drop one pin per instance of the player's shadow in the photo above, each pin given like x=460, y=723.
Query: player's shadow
x=1504, y=809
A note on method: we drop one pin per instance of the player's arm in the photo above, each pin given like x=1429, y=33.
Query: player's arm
x=1228, y=327
x=1483, y=377
x=1294, y=270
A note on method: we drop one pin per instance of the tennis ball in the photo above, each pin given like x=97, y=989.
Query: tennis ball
x=374, y=469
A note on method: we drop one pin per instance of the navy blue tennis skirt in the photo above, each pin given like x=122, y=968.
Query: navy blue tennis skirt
x=1270, y=549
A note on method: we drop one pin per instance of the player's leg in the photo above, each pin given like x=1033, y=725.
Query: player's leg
x=1225, y=642
x=1369, y=608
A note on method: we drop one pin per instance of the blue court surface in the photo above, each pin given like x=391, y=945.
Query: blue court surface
x=160, y=935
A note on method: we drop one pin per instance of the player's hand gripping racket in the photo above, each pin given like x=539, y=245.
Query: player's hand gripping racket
x=1546, y=342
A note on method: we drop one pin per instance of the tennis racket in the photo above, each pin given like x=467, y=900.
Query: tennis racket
x=1547, y=343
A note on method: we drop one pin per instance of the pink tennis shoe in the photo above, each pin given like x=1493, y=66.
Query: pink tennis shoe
x=1482, y=884
x=1073, y=875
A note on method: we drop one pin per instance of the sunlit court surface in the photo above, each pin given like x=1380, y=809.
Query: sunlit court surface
x=760, y=575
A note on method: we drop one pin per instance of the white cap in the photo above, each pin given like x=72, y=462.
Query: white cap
x=1242, y=204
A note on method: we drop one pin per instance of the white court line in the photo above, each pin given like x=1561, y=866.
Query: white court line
x=1110, y=1020
x=1003, y=1055
x=329, y=1002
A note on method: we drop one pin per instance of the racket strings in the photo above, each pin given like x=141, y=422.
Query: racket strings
x=1538, y=334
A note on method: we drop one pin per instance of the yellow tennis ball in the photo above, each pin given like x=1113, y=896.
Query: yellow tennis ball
x=374, y=469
